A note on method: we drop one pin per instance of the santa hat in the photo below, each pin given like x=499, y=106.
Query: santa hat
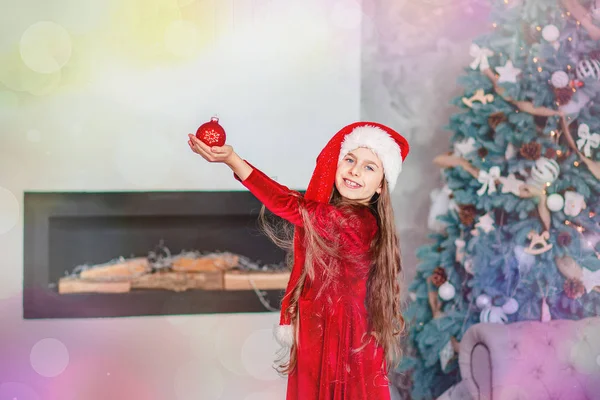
x=391, y=148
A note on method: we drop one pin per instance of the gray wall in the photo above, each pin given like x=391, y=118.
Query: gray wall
x=412, y=53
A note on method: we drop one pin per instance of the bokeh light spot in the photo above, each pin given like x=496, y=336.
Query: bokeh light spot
x=45, y=47
x=49, y=357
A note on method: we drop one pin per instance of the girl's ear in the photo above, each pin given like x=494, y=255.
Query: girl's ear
x=378, y=190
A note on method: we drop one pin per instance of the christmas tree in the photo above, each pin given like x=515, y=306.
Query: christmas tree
x=516, y=227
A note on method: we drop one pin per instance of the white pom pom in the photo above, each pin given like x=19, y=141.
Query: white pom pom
x=560, y=79
x=550, y=33
x=555, y=202
x=446, y=291
x=511, y=306
x=284, y=334
x=483, y=301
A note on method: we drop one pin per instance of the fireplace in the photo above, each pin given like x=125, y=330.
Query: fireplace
x=64, y=230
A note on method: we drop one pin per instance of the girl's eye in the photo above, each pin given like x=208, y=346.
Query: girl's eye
x=349, y=160
x=370, y=168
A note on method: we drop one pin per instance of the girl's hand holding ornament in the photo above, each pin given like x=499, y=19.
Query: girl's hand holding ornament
x=221, y=154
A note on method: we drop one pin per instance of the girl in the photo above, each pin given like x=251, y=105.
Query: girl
x=340, y=313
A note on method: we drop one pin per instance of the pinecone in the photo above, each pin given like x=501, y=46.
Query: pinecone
x=540, y=121
x=574, y=288
x=550, y=153
x=496, y=119
x=438, y=276
x=563, y=239
x=531, y=151
x=482, y=152
x=563, y=95
x=467, y=214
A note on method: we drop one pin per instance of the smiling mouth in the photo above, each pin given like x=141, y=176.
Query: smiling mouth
x=351, y=184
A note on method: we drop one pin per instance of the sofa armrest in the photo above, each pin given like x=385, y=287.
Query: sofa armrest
x=475, y=360
x=532, y=360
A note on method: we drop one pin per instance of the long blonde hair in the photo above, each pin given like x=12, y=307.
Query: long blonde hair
x=383, y=289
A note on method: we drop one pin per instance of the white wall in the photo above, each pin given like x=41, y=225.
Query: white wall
x=101, y=99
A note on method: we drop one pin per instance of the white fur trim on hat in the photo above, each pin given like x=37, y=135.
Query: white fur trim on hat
x=284, y=334
x=379, y=142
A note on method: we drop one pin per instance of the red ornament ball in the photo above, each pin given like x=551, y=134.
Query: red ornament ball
x=211, y=133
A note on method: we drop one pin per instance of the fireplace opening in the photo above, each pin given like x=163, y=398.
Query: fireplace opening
x=147, y=253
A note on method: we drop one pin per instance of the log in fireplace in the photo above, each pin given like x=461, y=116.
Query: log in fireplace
x=65, y=230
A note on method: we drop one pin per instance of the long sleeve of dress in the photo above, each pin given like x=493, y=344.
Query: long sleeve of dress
x=330, y=222
x=279, y=199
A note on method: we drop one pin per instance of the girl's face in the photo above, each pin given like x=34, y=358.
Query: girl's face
x=359, y=175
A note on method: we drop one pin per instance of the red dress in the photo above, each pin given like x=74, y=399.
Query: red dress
x=332, y=361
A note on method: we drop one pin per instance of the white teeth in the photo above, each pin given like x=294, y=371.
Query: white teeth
x=352, y=184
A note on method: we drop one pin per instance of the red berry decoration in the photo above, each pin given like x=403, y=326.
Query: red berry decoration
x=211, y=133
x=574, y=83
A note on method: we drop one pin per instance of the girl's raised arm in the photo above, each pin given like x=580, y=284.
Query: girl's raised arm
x=280, y=200
x=224, y=154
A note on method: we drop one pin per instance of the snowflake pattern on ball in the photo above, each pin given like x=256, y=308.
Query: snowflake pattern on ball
x=211, y=136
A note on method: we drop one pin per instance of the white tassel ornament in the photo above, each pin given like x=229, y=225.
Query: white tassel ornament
x=546, y=317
